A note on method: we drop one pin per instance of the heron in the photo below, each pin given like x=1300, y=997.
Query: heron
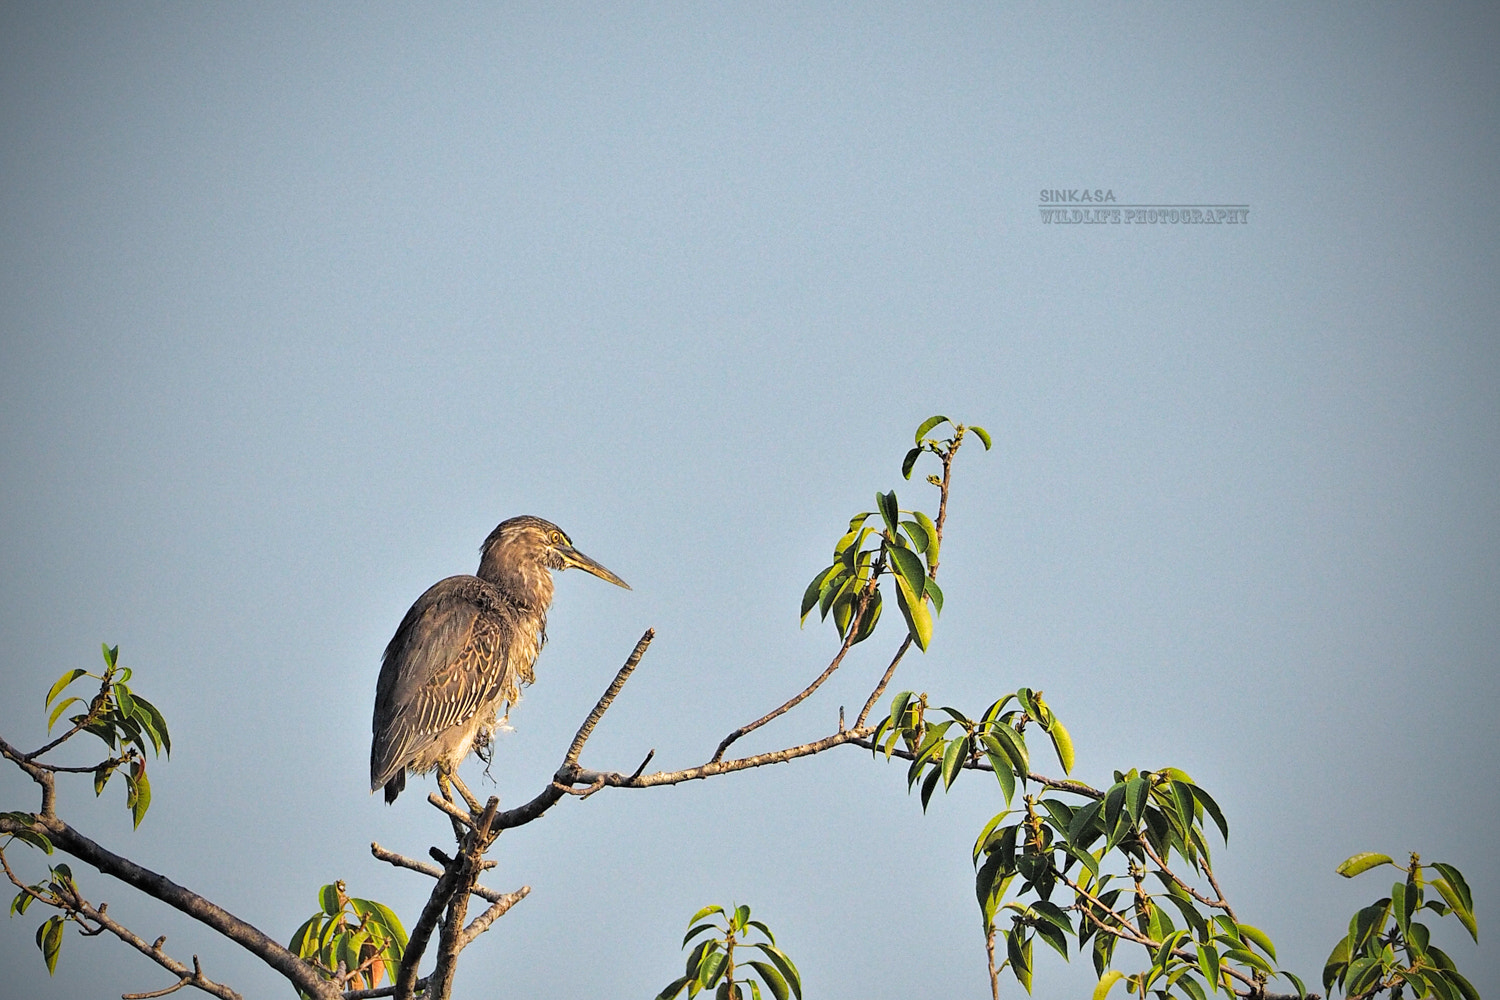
x=464, y=650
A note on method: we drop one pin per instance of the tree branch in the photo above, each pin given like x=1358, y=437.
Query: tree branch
x=497, y=910
x=798, y=698
x=433, y=871
x=302, y=975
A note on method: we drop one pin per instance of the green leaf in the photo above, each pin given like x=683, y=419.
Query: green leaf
x=909, y=565
x=917, y=534
x=1053, y=936
x=984, y=435
x=930, y=785
x=1399, y=905
x=138, y=796
x=393, y=924
x=62, y=707
x=1246, y=957
x=1062, y=742
x=773, y=978
x=1361, y=863
x=899, y=704
x=934, y=593
x=1361, y=975
x=1289, y=977
x=123, y=699
x=1009, y=742
x=1085, y=858
x=1434, y=981
x=1259, y=938
x=1018, y=950
x=673, y=988
x=1190, y=985
x=1465, y=987
x=111, y=655
x=1456, y=881
x=1183, y=806
x=909, y=461
x=987, y=836
x=928, y=425
x=1208, y=963
x=695, y=931
x=1135, y=797
x=328, y=899
x=1336, y=964
x=1107, y=982
x=918, y=619
x=933, y=542
x=1212, y=808
x=49, y=938
x=705, y=912
x=784, y=966
x=1456, y=903
x=1000, y=764
x=35, y=838
x=953, y=760
x=1418, y=937
x=1054, y=915
x=710, y=969
x=814, y=591
x=62, y=682
x=890, y=512
x=1059, y=813
x=741, y=915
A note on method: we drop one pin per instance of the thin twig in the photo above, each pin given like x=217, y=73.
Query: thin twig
x=432, y=871
x=890, y=671
x=482, y=922
x=384, y=991
x=443, y=805
x=801, y=696
x=184, y=981
x=617, y=780
x=607, y=698
x=1219, y=904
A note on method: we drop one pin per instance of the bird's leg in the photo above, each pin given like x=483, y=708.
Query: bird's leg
x=445, y=786
x=474, y=806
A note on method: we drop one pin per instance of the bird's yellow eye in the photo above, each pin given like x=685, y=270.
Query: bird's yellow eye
x=557, y=538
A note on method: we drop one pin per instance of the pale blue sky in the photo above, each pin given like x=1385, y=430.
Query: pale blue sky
x=297, y=303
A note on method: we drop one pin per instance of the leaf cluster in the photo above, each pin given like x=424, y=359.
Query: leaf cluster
x=1050, y=864
x=711, y=964
x=895, y=547
x=356, y=942
x=57, y=890
x=942, y=448
x=944, y=747
x=125, y=721
x=905, y=548
x=1388, y=948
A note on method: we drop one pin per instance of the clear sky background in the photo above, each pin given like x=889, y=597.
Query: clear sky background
x=297, y=303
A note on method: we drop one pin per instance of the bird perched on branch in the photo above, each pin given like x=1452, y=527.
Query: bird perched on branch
x=464, y=650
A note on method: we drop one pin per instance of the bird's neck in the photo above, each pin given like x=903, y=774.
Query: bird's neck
x=528, y=585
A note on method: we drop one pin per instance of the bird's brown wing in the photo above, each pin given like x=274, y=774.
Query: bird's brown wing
x=438, y=670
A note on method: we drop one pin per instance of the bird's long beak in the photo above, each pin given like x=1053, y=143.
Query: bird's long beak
x=573, y=559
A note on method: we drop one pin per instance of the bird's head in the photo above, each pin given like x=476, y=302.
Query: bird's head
x=519, y=552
